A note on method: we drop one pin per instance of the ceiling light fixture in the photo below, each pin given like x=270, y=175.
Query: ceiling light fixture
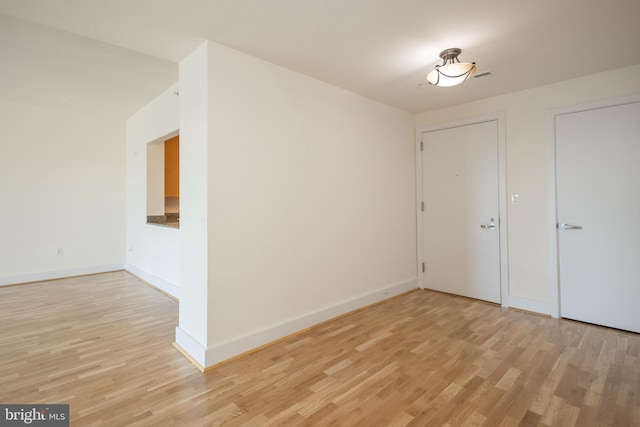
x=452, y=72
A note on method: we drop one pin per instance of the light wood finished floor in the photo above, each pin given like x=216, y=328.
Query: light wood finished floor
x=103, y=344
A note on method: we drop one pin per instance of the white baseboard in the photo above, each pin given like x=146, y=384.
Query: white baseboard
x=193, y=349
x=528, y=304
x=238, y=345
x=153, y=280
x=59, y=274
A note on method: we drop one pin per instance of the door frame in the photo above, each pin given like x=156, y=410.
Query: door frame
x=552, y=193
x=499, y=118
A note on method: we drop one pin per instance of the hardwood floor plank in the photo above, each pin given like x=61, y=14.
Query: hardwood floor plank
x=103, y=344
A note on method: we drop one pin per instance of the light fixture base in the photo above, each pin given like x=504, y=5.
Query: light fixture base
x=450, y=53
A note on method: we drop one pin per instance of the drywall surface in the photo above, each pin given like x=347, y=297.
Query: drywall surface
x=310, y=196
x=194, y=238
x=63, y=193
x=152, y=251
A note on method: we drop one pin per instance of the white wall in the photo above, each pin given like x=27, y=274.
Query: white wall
x=194, y=172
x=152, y=251
x=527, y=136
x=62, y=186
x=311, y=200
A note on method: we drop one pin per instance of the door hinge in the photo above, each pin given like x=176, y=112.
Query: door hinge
x=423, y=267
x=422, y=206
x=421, y=146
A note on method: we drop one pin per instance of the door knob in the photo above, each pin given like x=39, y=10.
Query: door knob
x=490, y=226
x=566, y=226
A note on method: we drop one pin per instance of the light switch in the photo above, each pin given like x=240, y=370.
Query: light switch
x=514, y=199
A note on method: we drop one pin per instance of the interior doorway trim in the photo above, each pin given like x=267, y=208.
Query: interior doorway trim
x=552, y=213
x=499, y=118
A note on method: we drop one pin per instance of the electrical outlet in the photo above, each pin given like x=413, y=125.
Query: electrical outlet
x=59, y=251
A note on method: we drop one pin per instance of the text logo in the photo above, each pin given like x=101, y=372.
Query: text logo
x=34, y=415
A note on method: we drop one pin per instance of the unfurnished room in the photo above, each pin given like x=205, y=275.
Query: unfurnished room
x=309, y=213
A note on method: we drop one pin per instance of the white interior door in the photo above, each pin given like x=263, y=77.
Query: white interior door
x=461, y=233
x=598, y=214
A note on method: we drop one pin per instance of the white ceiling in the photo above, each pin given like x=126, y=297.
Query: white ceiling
x=112, y=56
